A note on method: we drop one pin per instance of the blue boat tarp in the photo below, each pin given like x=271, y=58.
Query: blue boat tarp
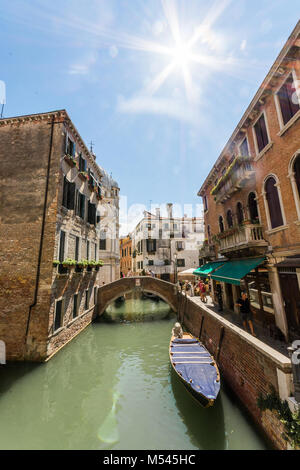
x=197, y=368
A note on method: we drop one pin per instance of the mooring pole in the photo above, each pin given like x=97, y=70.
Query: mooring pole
x=201, y=325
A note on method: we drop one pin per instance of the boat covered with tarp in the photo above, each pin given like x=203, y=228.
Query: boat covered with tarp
x=196, y=368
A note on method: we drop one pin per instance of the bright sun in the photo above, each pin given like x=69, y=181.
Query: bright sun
x=181, y=54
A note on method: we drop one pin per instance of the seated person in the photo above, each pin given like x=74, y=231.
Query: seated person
x=177, y=331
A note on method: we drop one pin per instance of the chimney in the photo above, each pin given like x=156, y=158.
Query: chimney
x=157, y=212
x=170, y=210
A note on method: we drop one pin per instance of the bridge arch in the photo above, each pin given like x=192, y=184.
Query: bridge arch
x=110, y=292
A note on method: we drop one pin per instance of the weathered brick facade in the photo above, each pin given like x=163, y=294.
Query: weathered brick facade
x=274, y=233
x=33, y=214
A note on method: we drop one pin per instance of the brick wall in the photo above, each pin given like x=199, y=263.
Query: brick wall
x=247, y=365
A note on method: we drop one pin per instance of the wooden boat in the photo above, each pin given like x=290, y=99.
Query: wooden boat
x=196, y=368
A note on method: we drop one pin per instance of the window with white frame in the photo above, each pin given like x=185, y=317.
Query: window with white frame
x=288, y=100
x=261, y=133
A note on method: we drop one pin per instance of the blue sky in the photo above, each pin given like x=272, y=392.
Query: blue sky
x=157, y=85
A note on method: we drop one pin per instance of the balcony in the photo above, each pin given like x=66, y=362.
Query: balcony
x=238, y=173
x=247, y=238
x=207, y=251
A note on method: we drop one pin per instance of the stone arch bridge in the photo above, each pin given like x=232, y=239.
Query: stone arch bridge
x=163, y=289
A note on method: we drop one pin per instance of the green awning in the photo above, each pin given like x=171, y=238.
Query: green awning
x=208, y=268
x=233, y=271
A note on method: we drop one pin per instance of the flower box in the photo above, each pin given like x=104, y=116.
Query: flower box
x=70, y=160
x=83, y=175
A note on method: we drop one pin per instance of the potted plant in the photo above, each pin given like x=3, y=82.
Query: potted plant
x=83, y=175
x=56, y=262
x=70, y=160
x=69, y=263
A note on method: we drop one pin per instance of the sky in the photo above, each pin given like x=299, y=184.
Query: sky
x=158, y=86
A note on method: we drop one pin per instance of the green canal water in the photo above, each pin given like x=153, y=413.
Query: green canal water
x=113, y=388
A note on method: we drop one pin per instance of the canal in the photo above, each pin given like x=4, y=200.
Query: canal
x=113, y=388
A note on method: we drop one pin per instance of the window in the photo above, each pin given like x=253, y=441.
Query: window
x=205, y=202
x=261, y=133
x=179, y=246
x=102, y=241
x=151, y=246
x=82, y=163
x=221, y=224
x=297, y=173
x=86, y=300
x=229, y=219
x=80, y=205
x=181, y=263
x=208, y=233
x=288, y=100
x=273, y=202
x=244, y=150
x=91, y=213
x=68, y=194
x=77, y=248
x=62, y=241
x=239, y=213
x=252, y=205
x=150, y=262
x=70, y=147
x=75, y=305
x=58, y=315
x=87, y=249
x=95, y=251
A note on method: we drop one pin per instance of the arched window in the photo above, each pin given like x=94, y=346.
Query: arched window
x=239, y=213
x=229, y=219
x=296, y=169
x=252, y=204
x=273, y=202
x=221, y=224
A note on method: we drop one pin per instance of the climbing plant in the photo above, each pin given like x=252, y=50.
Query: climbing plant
x=291, y=421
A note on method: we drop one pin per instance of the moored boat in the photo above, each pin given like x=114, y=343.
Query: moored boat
x=196, y=368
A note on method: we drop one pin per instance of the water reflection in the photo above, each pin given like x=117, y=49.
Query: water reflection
x=69, y=402
x=201, y=423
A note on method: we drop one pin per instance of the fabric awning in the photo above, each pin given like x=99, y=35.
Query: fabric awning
x=233, y=271
x=208, y=268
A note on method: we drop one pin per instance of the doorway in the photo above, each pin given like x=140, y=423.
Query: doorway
x=291, y=298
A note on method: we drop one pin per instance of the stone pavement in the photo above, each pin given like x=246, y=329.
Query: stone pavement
x=262, y=333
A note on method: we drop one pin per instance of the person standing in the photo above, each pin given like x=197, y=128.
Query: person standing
x=245, y=310
x=219, y=297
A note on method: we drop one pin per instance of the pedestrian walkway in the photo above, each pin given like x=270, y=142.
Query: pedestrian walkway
x=261, y=333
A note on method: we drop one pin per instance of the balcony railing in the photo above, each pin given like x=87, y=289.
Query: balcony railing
x=238, y=173
x=242, y=237
x=207, y=251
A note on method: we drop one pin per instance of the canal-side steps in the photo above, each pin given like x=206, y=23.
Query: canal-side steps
x=249, y=366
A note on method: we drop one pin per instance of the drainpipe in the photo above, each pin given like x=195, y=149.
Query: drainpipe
x=37, y=279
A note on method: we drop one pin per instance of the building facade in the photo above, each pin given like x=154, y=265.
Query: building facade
x=251, y=197
x=125, y=255
x=166, y=245
x=53, y=198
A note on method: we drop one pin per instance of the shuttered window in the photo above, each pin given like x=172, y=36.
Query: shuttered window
x=58, y=315
x=80, y=204
x=62, y=246
x=75, y=305
x=252, y=204
x=273, y=202
x=77, y=248
x=91, y=213
x=87, y=300
x=102, y=245
x=82, y=163
x=288, y=100
x=221, y=224
x=297, y=173
x=261, y=133
x=151, y=246
x=68, y=194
